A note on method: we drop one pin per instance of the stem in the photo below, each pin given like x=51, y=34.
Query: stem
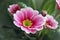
x=27, y=36
x=40, y=35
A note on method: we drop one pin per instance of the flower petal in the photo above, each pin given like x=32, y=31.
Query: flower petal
x=17, y=24
x=38, y=20
x=32, y=30
x=25, y=29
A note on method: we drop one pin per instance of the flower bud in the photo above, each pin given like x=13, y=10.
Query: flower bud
x=13, y=8
x=44, y=13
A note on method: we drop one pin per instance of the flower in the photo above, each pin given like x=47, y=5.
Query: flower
x=51, y=23
x=58, y=4
x=13, y=8
x=28, y=20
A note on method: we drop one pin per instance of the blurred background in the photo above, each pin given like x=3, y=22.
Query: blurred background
x=8, y=31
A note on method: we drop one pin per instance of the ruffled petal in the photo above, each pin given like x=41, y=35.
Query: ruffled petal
x=25, y=29
x=32, y=30
x=38, y=20
x=17, y=24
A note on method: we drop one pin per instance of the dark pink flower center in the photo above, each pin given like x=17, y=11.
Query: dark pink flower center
x=48, y=23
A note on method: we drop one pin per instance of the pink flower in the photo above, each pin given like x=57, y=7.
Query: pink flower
x=58, y=4
x=13, y=8
x=51, y=23
x=29, y=20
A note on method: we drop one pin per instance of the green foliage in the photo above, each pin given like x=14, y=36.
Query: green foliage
x=49, y=6
x=8, y=31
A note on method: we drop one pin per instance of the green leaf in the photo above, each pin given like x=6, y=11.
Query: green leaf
x=32, y=3
x=22, y=4
x=49, y=6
